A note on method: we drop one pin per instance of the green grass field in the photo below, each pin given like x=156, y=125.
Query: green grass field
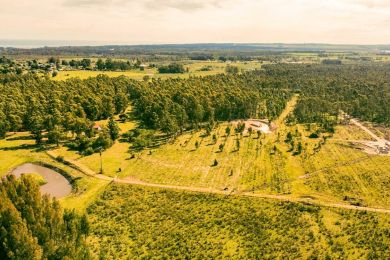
x=129, y=220
x=328, y=171
x=134, y=222
x=193, y=66
x=19, y=148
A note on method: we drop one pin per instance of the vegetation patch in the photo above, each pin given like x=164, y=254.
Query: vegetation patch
x=132, y=222
x=39, y=179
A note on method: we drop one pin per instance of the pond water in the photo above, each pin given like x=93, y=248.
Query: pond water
x=57, y=185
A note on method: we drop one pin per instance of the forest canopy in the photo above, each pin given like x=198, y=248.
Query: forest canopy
x=29, y=102
x=35, y=226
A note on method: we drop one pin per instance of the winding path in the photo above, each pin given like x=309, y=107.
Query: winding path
x=289, y=107
x=82, y=168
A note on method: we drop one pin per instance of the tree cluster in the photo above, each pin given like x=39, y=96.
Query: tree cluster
x=35, y=227
x=171, y=68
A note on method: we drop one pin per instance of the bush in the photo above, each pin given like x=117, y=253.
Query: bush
x=172, y=68
x=88, y=151
x=60, y=158
x=215, y=163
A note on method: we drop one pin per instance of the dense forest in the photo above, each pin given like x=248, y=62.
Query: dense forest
x=35, y=227
x=37, y=104
x=362, y=91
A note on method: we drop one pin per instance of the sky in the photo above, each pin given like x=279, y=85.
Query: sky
x=197, y=21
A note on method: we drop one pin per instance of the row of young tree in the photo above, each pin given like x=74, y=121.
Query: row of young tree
x=36, y=227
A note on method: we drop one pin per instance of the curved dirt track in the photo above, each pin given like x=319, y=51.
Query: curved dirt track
x=129, y=181
x=289, y=107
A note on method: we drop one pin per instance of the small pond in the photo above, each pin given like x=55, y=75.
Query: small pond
x=57, y=185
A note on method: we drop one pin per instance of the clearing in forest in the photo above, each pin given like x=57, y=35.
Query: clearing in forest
x=285, y=162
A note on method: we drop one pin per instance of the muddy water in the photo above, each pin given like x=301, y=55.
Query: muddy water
x=57, y=185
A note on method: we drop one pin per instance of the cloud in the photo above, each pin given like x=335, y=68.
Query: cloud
x=85, y=3
x=371, y=4
x=178, y=21
x=182, y=5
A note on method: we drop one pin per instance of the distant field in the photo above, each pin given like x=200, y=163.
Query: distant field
x=134, y=222
x=84, y=74
x=194, y=70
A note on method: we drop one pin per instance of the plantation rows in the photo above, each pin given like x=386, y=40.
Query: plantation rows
x=132, y=222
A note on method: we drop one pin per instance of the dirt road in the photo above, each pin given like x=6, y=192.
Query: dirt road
x=130, y=181
x=379, y=146
x=368, y=131
x=278, y=123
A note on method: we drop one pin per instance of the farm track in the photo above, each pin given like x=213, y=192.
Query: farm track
x=279, y=122
x=85, y=170
x=368, y=131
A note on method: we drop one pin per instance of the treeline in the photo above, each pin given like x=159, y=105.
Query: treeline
x=171, y=68
x=35, y=227
x=362, y=91
x=38, y=104
x=174, y=105
x=110, y=64
x=107, y=64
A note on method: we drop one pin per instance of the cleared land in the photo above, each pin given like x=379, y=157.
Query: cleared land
x=327, y=171
x=195, y=69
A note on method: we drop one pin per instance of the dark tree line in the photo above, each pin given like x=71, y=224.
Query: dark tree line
x=37, y=104
x=177, y=104
x=362, y=91
x=35, y=227
x=40, y=105
x=171, y=68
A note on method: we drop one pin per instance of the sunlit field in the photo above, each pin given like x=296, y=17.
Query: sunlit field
x=131, y=222
x=328, y=170
x=195, y=69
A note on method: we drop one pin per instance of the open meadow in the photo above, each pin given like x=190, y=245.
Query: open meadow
x=18, y=149
x=328, y=169
x=195, y=68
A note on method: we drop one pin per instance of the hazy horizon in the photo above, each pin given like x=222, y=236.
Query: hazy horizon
x=127, y=22
x=32, y=44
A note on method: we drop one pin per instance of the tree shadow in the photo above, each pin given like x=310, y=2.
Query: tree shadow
x=23, y=137
x=23, y=147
